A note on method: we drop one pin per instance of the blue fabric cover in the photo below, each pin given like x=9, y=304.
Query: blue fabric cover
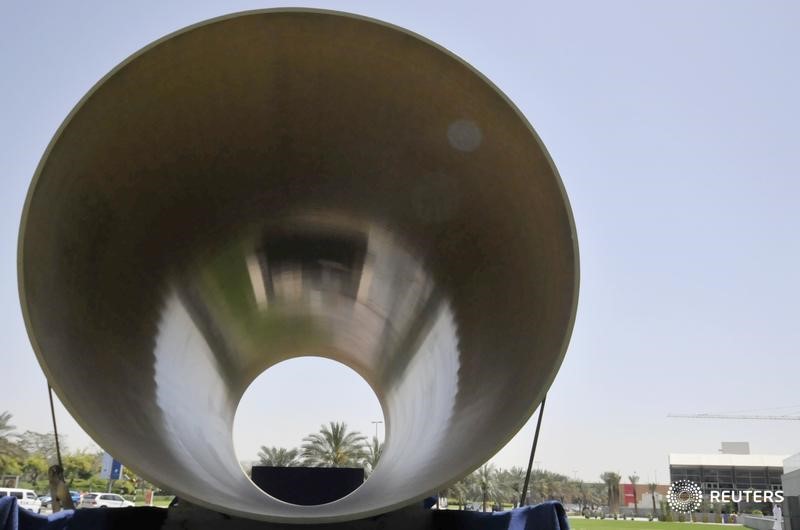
x=142, y=518
x=468, y=520
x=57, y=521
x=8, y=513
x=545, y=516
x=12, y=517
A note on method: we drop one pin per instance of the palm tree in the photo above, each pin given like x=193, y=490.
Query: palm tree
x=9, y=463
x=541, y=483
x=652, y=489
x=9, y=449
x=333, y=446
x=590, y=495
x=634, y=480
x=485, y=479
x=278, y=457
x=461, y=490
x=502, y=493
x=596, y=493
x=373, y=454
x=5, y=425
x=611, y=480
x=513, y=479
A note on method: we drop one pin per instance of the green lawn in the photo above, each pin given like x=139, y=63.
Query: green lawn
x=581, y=523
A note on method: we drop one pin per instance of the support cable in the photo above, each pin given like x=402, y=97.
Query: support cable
x=533, y=452
x=55, y=426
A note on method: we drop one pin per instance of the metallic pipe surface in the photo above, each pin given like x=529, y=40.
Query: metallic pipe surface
x=282, y=183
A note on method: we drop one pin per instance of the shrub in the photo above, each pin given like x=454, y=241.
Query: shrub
x=757, y=512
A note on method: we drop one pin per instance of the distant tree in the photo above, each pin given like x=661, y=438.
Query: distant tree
x=485, y=481
x=333, y=446
x=278, y=457
x=504, y=486
x=513, y=480
x=135, y=480
x=373, y=453
x=541, y=484
x=124, y=487
x=652, y=489
x=502, y=493
x=611, y=481
x=634, y=480
x=6, y=429
x=9, y=465
x=461, y=490
x=81, y=465
x=42, y=444
x=11, y=454
x=593, y=494
x=35, y=467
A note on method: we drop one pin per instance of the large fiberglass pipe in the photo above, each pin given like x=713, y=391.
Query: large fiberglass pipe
x=283, y=183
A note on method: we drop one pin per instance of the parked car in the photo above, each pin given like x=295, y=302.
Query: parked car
x=104, y=500
x=46, y=504
x=25, y=498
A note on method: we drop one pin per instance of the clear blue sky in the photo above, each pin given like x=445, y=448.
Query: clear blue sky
x=674, y=125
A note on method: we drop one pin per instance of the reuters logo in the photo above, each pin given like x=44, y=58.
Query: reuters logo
x=684, y=496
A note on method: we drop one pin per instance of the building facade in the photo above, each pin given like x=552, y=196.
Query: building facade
x=728, y=471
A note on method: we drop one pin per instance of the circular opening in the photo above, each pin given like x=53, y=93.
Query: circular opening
x=305, y=428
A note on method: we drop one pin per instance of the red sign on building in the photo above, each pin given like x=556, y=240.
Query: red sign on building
x=628, y=494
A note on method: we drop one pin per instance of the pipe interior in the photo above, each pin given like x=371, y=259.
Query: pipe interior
x=282, y=183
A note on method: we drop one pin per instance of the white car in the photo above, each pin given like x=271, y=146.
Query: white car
x=25, y=498
x=104, y=500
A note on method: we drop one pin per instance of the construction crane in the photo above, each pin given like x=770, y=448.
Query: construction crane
x=735, y=417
